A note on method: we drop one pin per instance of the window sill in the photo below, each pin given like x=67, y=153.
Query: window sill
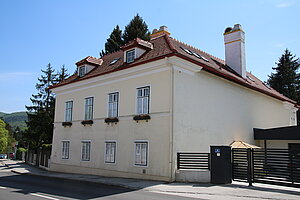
x=141, y=117
x=87, y=122
x=111, y=120
x=65, y=124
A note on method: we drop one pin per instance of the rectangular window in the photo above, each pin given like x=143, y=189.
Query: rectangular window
x=81, y=71
x=86, y=151
x=130, y=55
x=141, y=153
x=113, y=103
x=143, y=95
x=65, y=149
x=110, y=152
x=88, y=114
x=68, y=111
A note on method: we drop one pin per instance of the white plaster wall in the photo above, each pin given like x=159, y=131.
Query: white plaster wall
x=209, y=110
x=156, y=131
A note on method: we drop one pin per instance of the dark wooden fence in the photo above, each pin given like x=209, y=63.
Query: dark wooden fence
x=193, y=161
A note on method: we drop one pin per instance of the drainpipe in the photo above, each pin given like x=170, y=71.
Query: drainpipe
x=171, y=161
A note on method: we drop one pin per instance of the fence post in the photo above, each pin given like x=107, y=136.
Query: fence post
x=178, y=160
x=208, y=158
x=249, y=163
x=292, y=168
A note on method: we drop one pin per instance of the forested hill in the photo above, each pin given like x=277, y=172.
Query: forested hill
x=15, y=119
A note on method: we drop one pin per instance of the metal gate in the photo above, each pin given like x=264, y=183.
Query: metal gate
x=272, y=166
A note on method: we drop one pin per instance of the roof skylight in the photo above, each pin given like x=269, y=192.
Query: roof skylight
x=187, y=51
x=114, y=61
x=194, y=54
x=250, y=78
x=197, y=55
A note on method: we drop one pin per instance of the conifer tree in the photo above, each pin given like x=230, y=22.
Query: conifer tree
x=41, y=112
x=114, y=41
x=136, y=28
x=286, y=79
x=62, y=74
x=102, y=53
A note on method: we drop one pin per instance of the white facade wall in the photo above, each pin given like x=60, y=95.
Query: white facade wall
x=156, y=131
x=209, y=110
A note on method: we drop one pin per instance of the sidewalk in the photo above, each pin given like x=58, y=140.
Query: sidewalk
x=234, y=191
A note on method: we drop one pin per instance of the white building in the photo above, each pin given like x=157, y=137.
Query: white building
x=129, y=113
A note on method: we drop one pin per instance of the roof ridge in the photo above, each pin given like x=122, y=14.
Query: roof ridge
x=172, y=48
x=219, y=59
x=94, y=57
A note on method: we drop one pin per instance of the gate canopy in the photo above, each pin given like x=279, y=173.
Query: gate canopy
x=281, y=133
x=243, y=145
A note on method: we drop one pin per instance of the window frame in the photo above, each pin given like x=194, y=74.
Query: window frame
x=115, y=152
x=80, y=74
x=127, y=57
x=71, y=110
x=62, y=148
x=85, y=108
x=90, y=150
x=108, y=104
x=147, y=153
x=137, y=97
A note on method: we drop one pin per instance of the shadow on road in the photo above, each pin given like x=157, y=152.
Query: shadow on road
x=59, y=187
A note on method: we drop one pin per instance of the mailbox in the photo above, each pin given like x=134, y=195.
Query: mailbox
x=220, y=164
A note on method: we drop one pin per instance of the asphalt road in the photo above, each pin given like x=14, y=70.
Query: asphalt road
x=25, y=187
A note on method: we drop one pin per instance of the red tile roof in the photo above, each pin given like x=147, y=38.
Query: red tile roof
x=90, y=60
x=166, y=46
x=137, y=42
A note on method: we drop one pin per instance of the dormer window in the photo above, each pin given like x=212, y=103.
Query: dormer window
x=81, y=71
x=130, y=55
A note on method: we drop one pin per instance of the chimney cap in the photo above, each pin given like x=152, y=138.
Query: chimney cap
x=163, y=30
x=237, y=27
x=228, y=29
x=154, y=31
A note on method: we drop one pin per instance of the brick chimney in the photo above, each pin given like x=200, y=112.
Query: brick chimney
x=234, y=39
x=163, y=30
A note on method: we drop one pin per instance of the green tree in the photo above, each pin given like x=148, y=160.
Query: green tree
x=4, y=137
x=41, y=112
x=286, y=79
x=114, y=42
x=62, y=74
x=136, y=28
x=10, y=138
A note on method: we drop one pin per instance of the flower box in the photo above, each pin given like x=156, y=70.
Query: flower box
x=141, y=117
x=111, y=120
x=67, y=124
x=87, y=122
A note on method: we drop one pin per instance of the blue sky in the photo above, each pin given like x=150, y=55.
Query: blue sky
x=35, y=33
